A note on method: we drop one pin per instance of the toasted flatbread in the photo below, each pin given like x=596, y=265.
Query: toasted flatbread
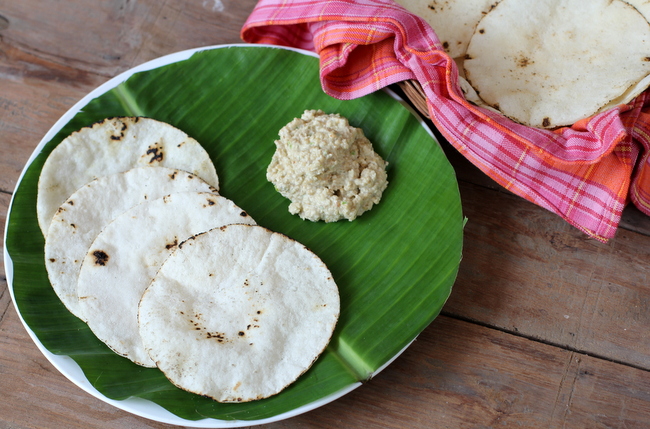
x=87, y=211
x=552, y=63
x=127, y=253
x=238, y=313
x=453, y=21
x=112, y=146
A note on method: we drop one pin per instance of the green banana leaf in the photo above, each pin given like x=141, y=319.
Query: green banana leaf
x=394, y=266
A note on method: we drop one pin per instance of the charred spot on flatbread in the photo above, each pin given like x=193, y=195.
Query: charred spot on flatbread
x=100, y=257
x=155, y=153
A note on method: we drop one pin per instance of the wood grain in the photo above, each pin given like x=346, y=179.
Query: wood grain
x=526, y=271
x=545, y=327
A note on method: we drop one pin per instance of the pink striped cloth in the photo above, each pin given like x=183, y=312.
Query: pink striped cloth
x=585, y=173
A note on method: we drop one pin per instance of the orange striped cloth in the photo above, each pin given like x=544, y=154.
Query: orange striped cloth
x=586, y=173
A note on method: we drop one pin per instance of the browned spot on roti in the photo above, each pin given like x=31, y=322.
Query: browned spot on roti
x=172, y=244
x=155, y=152
x=101, y=258
x=220, y=337
x=524, y=61
x=546, y=122
x=120, y=136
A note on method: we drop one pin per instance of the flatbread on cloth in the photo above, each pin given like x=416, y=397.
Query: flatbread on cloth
x=238, y=313
x=553, y=63
x=87, y=211
x=453, y=21
x=125, y=256
x=643, y=6
x=111, y=146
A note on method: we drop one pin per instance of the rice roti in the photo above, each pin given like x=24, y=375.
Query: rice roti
x=453, y=21
x=554, y=62
x=81, y=218
x=643, y=6
x=243, y=323
x=125, y=256
x=111, y=146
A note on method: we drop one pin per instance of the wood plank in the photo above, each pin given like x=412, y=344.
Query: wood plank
x=36, y=395
x=461, y=375
x=5, y=299
x=456, y=374
x=30, y=103
x=212, y=22
x=615, y=317
x=526, y=271
x=97, y=37
x=604, y=395
x=119, y=34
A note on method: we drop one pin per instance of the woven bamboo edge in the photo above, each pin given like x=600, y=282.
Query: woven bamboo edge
x=414, y=92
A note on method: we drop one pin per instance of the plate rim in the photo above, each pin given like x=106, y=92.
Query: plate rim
x=65, y=364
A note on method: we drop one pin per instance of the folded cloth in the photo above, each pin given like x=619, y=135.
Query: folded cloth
x=585, y=173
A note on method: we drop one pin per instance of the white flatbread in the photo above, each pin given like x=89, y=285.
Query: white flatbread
x=238, y=313
x=453, y=21
x=125, y=256
x=552, y=63
x=643, y=6
x=80, y=219
x=111, y=146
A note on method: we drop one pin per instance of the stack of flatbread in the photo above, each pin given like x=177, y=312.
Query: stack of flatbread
x=168, y=273
x=545, y=63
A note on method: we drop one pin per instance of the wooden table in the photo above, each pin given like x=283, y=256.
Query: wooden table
x=545, y=328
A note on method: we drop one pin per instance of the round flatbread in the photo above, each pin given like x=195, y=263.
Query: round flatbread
x=564, y=62
x=643, y=6
x=128, y=252
x=453, y=21
x=81, y=218
x=112, y=146
x=244, y=323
